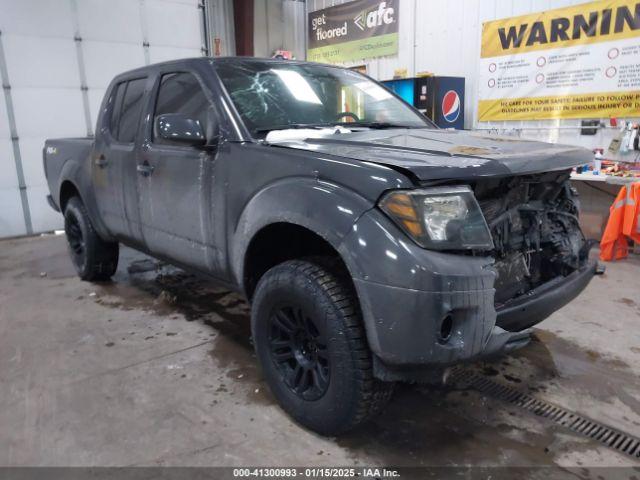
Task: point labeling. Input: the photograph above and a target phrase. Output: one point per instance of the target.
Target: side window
(130, 110)
(116, 107)
(181, 93)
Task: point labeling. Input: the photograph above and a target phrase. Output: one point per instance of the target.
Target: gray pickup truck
(373, 246)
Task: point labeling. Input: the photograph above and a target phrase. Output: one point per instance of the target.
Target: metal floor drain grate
(612, 438)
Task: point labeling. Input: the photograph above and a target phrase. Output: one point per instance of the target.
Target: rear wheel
(312, 347)
(93, 258)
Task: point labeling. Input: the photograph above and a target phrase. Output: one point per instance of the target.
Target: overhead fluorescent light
(373, 90)
(298, 86)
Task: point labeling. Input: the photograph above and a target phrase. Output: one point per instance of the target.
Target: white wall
(43, 70)
(443, 37)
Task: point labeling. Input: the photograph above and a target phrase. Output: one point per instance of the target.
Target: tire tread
(372, 394)
(103, 256)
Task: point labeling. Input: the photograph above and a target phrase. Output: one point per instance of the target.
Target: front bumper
(527, 310)
(407, 325)
(407, 294)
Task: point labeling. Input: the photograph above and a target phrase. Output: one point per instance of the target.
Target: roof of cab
(211, 61)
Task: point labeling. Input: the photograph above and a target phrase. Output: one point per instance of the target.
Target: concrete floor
(156, 368)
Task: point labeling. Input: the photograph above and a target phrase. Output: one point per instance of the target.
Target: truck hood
(431, 154)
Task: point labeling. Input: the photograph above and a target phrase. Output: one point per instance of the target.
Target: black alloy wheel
(76, 240)
(93, 258)
(311, 344)
(299, 350)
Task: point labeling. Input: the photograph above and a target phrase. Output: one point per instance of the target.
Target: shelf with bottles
(605, 169)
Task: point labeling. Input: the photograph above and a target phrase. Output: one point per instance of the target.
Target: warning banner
(576, 62)
(566, 106)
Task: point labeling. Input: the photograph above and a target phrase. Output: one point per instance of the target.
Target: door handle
(145, 169)
(102, 161)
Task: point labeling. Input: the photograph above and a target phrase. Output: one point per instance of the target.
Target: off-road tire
(93, 258)
(326, 297)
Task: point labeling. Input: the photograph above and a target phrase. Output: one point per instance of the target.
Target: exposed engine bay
(533, 220)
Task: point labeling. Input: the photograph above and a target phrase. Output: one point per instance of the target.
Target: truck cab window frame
(130, 112)
(185, 95)
(115, 108)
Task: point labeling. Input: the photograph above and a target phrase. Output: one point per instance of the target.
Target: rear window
(126, 110)
(116, 108)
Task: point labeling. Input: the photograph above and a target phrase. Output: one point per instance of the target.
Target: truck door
(174, 178)
(113, 169)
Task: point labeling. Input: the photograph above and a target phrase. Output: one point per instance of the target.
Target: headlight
(440, 218)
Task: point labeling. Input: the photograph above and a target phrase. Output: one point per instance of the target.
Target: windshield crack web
(259, 89)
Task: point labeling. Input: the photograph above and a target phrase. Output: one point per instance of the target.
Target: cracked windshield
(272, 96)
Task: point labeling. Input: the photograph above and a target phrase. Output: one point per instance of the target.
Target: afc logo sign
(383, 15)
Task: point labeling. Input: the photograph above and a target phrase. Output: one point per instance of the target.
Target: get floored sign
(353, 31)
(576, 62)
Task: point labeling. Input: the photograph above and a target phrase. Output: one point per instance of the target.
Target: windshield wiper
(292, 126)
(376, 125)
(379, 125)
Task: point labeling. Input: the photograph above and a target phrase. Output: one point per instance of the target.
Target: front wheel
(93, 258)
(312, 347)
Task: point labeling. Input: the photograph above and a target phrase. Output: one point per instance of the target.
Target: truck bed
(58, 153)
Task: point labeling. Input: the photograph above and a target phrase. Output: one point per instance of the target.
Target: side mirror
(179, 128)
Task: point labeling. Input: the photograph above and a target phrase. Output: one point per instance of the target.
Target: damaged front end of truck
(461, 304)
(512, 255)
(485, 244)
(538, 243)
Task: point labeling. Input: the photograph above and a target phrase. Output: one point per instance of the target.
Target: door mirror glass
(179, 128)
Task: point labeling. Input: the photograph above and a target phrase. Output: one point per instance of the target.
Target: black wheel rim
(75, 238)
(298, 348)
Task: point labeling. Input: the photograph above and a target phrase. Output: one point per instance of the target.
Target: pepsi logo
(451, 106)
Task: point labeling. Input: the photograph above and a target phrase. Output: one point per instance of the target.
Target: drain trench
(611, 437)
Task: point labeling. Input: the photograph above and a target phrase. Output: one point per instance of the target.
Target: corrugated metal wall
(279, 25)
(221, 31)
(59, 57)
(443, 37)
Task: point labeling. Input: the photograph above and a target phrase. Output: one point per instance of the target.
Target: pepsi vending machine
(439, 98)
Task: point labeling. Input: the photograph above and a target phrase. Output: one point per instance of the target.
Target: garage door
(56, 60)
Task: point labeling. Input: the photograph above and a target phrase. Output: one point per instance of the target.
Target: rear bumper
(52, 204)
